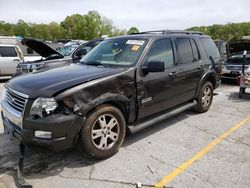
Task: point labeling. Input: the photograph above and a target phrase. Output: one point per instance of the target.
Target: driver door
(156, 90)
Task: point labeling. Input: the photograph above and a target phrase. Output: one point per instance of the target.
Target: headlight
(43, 106)
(36, 66)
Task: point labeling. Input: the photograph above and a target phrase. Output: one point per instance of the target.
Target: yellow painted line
(198, 155)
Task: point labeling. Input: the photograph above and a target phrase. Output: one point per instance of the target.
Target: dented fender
(118, 90)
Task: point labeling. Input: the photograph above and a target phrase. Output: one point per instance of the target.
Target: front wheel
(205, 98)
(103, 132)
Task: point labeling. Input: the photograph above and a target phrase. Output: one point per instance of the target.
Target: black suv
(124, 84)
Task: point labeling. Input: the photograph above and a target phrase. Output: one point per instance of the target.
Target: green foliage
(76, 26)
(133, 30)
(227, 32)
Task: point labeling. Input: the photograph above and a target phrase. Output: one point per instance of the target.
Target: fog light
(43, 134)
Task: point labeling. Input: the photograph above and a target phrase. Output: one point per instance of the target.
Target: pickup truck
(124, 84)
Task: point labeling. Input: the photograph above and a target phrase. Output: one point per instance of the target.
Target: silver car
(10, 57)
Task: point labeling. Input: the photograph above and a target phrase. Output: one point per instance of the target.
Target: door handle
(16, 60)
(172, 74)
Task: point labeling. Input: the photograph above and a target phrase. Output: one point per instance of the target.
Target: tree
(73, 26)
(133, 30)
(227, 32)
(21, 28)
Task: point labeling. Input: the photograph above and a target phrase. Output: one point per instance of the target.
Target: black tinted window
(30, 51)
(161, 50)
(6, 51)
(184, 50)
(210, 48)
(195, 50)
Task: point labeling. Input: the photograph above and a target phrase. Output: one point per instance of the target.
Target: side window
(86, 49)
(30, 51)
(184, 50)
(6, 51)
(210, 48)
(196, 55)
(161, 50)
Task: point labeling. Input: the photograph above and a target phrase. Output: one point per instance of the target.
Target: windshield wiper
(95, 63)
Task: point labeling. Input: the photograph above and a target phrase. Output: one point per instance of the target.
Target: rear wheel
(103, 132)
(205, 98)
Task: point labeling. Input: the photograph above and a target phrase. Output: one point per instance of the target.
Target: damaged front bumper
(63, 130)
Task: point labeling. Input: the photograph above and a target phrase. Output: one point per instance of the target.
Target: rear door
(9, 59)
(189, 68)
(213, 58)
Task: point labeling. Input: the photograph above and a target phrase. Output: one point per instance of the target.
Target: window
(117, 52)
(30, 51)
(6, 51)
(210, 48)
(184, 50)
(195, 50)
(161, 50)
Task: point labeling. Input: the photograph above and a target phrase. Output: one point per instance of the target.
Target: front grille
(16, 100)
(24, 68)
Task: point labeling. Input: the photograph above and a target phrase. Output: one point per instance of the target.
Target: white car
(10, 57)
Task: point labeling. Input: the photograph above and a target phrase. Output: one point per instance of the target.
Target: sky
(144, 14)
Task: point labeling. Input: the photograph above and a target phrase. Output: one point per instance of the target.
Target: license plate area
(235, 72)
(9, 130)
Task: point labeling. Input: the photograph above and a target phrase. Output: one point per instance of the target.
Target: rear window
(210, 48)
(6, 51)
(184, 50)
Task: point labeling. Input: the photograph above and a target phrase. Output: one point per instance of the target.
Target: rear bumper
(64, 130)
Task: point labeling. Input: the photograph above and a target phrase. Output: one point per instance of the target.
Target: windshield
(68, 49)
(116, 52)
(237, 59)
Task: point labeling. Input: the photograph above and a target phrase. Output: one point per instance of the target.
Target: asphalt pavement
(189, 150)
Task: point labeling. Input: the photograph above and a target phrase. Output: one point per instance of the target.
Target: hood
(49, 82)
(41, 48)
(237, 47)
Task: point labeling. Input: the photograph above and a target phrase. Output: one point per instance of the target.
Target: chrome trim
(18, 93)
(13, 115)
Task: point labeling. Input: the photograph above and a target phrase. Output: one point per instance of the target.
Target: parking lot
(188, 150)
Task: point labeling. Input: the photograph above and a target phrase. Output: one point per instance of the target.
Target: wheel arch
(211, 77)
(121, 105)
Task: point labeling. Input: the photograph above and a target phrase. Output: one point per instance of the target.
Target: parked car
(72, 52)
(221, 45)
(10, 56)
(232, 68)
(126, 83)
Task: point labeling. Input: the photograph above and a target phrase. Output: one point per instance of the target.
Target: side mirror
(154, 66)
(81, 52)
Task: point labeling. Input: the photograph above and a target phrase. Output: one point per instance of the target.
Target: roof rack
(169, 32)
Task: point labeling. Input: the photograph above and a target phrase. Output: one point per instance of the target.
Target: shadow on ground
(40, 162)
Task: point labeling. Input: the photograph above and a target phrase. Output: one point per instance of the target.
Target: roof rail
(169, 32)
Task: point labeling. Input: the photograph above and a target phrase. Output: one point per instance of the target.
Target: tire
(241, 92)
(204, 98)
(103, 132)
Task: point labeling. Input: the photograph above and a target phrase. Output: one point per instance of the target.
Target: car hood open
(237, 47)
(41, 48)
(47, 83)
